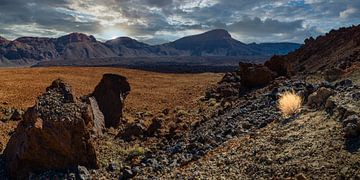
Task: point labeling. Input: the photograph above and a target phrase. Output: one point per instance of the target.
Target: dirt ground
(150, 92)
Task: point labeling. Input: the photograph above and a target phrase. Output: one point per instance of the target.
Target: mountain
(336, 49)
(78, 46)
(213, 43)
(125, 46)
(274, 48)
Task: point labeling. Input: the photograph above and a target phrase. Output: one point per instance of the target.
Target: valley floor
(249, 141)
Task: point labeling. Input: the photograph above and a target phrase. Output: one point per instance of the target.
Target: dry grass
(289, 103)
(150, 91)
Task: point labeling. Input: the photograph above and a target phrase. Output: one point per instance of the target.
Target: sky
(159, 21)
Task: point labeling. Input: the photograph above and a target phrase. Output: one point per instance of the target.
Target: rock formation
(110, 94)
(53, 135)
(253, 75)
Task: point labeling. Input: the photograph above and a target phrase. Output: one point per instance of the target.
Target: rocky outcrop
(338, 48)
(253, 75)
(234, 84)
(279, 66)
(53, 135)
(110, 95)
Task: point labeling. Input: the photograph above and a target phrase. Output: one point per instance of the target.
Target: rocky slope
(337, 49)
(78, 47)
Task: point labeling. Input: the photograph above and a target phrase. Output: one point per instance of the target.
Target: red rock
(54, 134)
(253, 75)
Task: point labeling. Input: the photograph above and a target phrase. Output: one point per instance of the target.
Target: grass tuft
(289, 103)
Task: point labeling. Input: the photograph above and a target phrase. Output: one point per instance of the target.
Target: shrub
(289, 103)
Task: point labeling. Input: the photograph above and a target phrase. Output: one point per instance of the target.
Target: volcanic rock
(280, 66)
(53, 135)
(333, 74)
(253, 75)
(132, 131)
(351, 126)
(155, 127)
(110, 95)
(318, 98)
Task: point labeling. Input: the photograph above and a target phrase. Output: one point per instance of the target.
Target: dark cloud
(165, 20)
(256, 26)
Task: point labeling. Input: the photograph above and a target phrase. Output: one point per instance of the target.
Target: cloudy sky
(157, 21)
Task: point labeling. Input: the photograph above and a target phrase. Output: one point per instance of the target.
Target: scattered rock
(132, 131)
(351, 126)
(318, 98)
(344, 83)
(300, 177)
(333, 74)
(154, 127)
(127, 173)
(83, 173)
(17, 115)
(110, 95)
(53, 135)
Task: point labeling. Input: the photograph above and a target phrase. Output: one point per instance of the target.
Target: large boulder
(279, 65)
(254, 75)
(54, 134)
(110, 94)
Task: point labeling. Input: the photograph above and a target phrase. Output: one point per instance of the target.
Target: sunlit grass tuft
(289, 103)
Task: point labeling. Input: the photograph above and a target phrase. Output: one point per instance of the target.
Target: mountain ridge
(79, 46)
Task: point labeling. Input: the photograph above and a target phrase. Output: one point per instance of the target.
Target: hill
(337, 49)
(79, 47)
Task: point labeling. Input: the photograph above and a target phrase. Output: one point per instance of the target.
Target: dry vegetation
(151, 92)
(289, 103)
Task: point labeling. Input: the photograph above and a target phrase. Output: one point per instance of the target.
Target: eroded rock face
(253, 75)
(279, 65)
(54, 134)
(110, 94)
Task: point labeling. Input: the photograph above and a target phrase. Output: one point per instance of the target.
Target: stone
(318, 98)
(126, 173)
(154, 127)
(16, 115)
(83, 173)
(344, 83)
(279, 65)
(253, 75)
(110, 95)
(132, 132)
(333, 74)
(53, 135)
(351, 126)
(300, 177)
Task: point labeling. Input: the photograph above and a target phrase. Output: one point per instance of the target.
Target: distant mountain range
(78, 46)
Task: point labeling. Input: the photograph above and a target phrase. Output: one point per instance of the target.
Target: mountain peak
(3, 40)
(218, 33)
(77, 37)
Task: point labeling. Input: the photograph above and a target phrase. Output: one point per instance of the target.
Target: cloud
(348, 12)
(166, 20)
(256, 26)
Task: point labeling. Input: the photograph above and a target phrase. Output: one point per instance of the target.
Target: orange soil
(150, 91)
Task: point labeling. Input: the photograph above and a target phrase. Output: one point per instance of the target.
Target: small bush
(289, 103)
